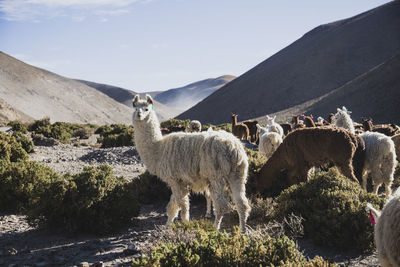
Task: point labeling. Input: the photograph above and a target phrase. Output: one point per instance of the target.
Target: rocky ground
(20, 245)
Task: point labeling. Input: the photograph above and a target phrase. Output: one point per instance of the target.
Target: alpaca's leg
(364, 181)
(238, 190)
(220, 203)
(376, 187)
(183, 202)
(208, 199)
(172, 209)
(388, 190)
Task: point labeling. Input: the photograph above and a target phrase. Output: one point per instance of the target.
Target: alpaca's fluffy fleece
(380, 160)
(312, 147)
(272, 126)
(387, 231)
(194, 126)
(269, 141)
(342, 119)
(192, 161)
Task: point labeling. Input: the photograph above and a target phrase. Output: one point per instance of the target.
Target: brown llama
(239, 130)
(253, 131)
(386, 129)
(296, 122)
(309, 122)
(287, 128)
(310, 147)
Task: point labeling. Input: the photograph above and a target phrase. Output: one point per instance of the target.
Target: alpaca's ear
(258, 126)
(338, 109)
(135, 100)
(149, 99)
(344, 108)
(273, 118)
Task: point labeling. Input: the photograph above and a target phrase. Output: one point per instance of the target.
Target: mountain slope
(8, 113)
(322, 60)
(40, 93)
(189, 95)
(125, 96)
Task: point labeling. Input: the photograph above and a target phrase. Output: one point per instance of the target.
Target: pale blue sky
(149, 45)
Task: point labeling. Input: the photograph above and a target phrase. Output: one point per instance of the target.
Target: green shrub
(41, 126)
(333, 208)
(26, 143)
(225, 126)
(210, 247)
(174, 123)
(150, 189)
(22, 183)
(255, 164)
(17, 126)
(92, 201)
(62, 131)
(116, 135)
(11, 149)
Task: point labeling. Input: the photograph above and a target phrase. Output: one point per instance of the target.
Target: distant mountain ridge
(39, 93)
(189, 95)
(324, 59)
(125, 97)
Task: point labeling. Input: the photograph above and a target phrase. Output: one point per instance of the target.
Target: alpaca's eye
(146, 109)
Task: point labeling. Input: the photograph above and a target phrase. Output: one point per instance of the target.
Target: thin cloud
(33, 10)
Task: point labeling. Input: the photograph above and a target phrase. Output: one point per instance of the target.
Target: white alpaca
(387, 231)
(269, 141)
(380, 160)
(272, 126)
(320, 120)
(198, 161)
(194, 126)
(342, 119)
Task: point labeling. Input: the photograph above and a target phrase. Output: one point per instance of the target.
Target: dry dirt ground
(21, 245)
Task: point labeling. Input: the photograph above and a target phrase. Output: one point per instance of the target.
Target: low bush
(225, 127)
(116, 135)
(333, 208)
(93, 201)
(150, 189)
(18, 126)
(209, 247)
(255, 164)
(23, 183)
(174, 123)
(26, 142)
(11, 149)
(62, 131)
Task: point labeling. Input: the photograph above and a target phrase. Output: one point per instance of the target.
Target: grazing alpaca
(199, 162)
(239, 130)
(194, 126)
(387, 230)
(380, 160)
(308, 121)
(342, 119)
(269, 141)
(272, 126)
(313, 147)
(252, 125)
(396, 141)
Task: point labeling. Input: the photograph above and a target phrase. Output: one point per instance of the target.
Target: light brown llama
(253, 131)
(309, 122)
(311, 147)
(297, 123)
(239, 130)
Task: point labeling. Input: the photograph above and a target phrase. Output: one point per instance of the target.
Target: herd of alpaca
(215, 162)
